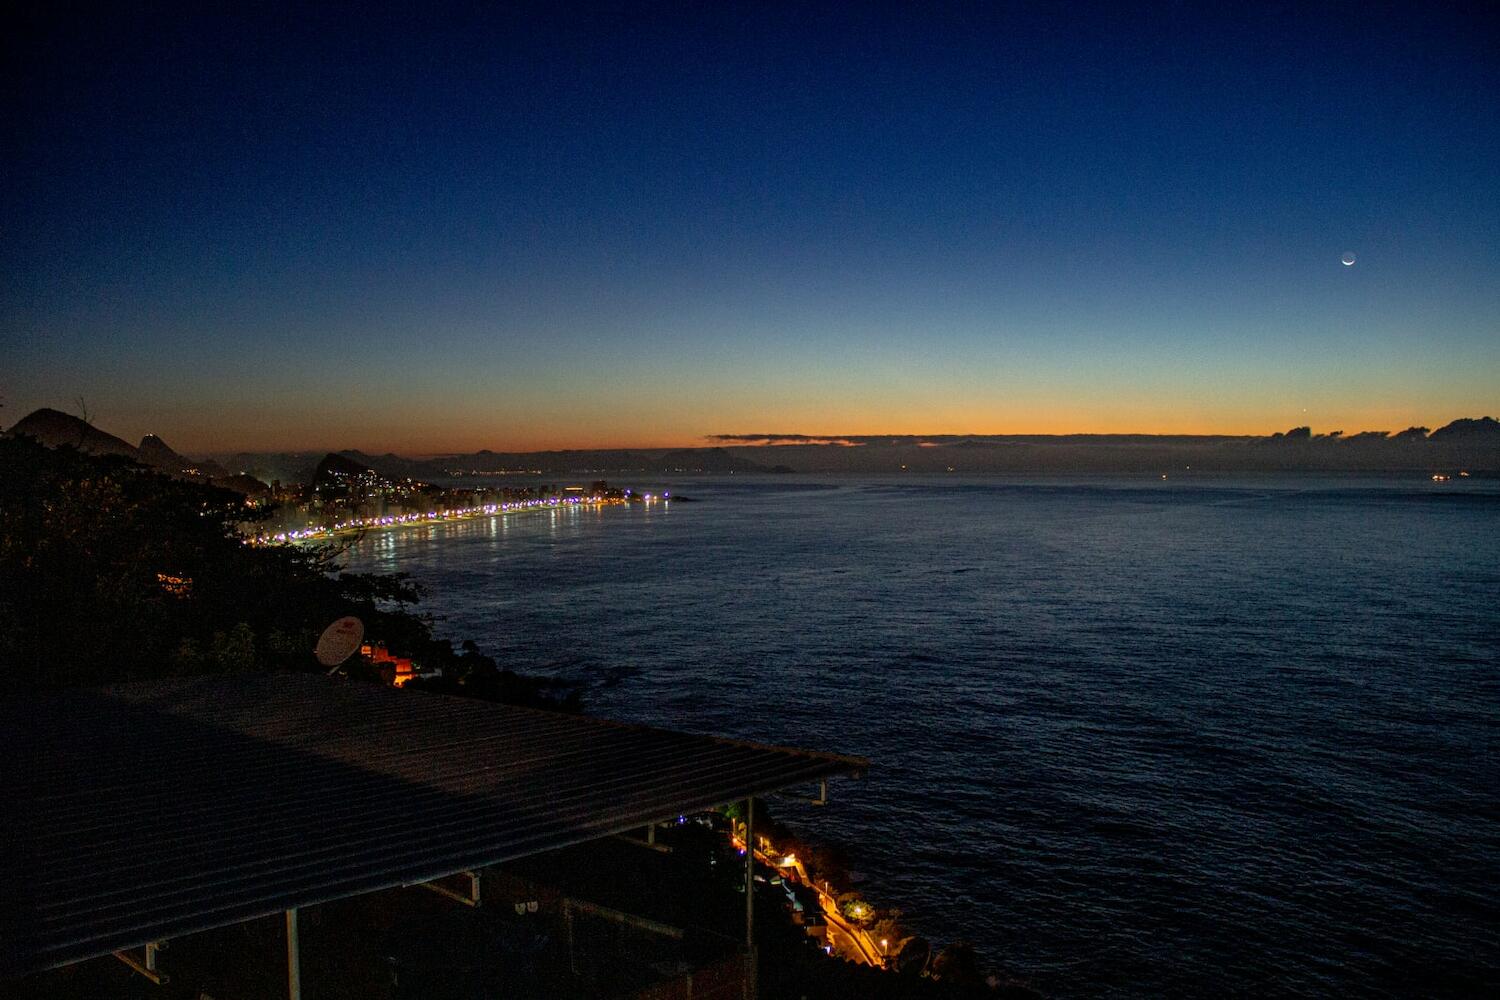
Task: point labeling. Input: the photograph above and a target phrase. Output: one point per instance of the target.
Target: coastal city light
(314, 533)
(603, 437)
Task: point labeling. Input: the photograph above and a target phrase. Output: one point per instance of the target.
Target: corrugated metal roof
(147, 811)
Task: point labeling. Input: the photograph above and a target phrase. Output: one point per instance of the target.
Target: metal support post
(572, 906)
(471, 899)
(293, 958)
(649, 843)
(750, 968)
(572, 959)
(146, 966)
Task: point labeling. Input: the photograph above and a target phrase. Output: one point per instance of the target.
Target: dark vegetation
(110, 571)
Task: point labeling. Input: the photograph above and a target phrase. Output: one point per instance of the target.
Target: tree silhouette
(110, 571)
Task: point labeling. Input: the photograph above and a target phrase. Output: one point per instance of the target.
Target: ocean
(1208, 736)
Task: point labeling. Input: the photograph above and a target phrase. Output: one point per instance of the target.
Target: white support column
(146, 966)
(293, 958)
(750, 968)
(469, 899)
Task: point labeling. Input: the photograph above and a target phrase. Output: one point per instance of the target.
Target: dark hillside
(112, 572)
(56, 429)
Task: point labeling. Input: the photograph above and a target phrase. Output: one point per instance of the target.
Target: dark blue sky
(419, 230)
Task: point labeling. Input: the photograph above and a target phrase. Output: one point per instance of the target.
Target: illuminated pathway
(848, 940)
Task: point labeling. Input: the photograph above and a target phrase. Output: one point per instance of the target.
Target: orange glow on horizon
(465, 441)
(471, 426)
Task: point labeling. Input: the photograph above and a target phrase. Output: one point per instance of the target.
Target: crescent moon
(1348, 260)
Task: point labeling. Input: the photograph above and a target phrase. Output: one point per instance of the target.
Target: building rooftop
(148, 811)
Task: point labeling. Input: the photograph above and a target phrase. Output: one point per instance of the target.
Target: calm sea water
(1130, 737)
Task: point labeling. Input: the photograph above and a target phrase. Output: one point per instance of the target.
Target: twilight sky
(644, 224)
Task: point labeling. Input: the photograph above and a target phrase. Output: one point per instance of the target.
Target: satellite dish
(1348, 259)
(339, 641)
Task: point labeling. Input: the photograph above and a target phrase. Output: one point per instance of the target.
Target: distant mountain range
(54, 429)
(1468, 443)
(302, 467)
(583, 462)
(1465, 444)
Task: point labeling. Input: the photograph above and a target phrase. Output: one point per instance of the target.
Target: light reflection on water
(1147, 738)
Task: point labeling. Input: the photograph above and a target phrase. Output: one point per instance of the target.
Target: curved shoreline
(396, 522)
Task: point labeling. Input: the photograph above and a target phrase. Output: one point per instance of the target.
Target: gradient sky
(429, 231)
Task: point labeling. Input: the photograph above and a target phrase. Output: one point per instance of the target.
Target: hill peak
(56, 429)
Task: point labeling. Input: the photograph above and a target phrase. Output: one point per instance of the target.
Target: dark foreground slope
(110, 571)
